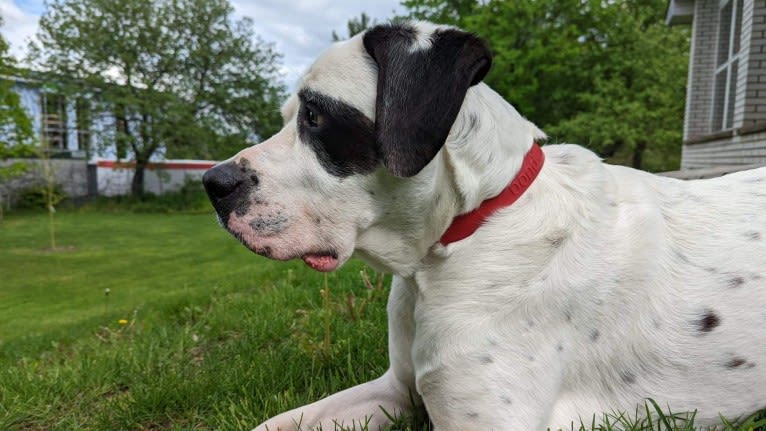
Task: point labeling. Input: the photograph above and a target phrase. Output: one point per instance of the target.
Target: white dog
(580, 289)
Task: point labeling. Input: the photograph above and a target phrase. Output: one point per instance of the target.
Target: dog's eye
(312, 118)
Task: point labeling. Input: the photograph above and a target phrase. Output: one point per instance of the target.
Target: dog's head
(354, 162)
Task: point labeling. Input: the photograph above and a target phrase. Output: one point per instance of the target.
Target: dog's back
(686, 305)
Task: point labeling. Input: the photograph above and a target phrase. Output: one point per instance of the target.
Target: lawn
(196, 333)
(216, 337)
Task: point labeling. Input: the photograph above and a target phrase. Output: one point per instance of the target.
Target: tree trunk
(137, 185)
(638, 155)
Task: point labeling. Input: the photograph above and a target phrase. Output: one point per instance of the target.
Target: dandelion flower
(122, 321)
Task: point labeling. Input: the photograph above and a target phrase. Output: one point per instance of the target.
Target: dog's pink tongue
(321, 262)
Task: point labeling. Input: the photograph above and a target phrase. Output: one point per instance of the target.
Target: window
(54, 121)
(727, 64)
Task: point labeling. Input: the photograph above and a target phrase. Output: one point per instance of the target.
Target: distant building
(67, 125)
(86, 157)
(725, 119)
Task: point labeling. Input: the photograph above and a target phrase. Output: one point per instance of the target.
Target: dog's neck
(464, 225)
(499, 139)
(483, 153)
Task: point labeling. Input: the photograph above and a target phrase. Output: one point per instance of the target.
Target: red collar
(466, 224)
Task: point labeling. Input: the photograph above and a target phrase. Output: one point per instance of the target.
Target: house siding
(699, 98)
(754, 87)
(747, 149)
(739, 146)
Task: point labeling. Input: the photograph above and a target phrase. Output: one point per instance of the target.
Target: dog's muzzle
(228, 186)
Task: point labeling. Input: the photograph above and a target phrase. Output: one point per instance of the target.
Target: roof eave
(679, 12)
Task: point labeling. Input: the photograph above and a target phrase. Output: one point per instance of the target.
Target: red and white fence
(114, 177)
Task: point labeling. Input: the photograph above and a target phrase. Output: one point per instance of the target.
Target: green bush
(36, 197)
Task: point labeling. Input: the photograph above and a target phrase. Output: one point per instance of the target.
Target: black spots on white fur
(738, 362)
(270, 224)
(594, 335)
(505, 399)
(473, 122)
(735, 282)
(598, 301)
(628, 377)
(697, 198)
(708, 321)
(559, 347)
(485, 359)
(472, 415)
(735, 363)
(568, 315)
(754, 236)
(556, 241)
(680, 256)
(564, 158)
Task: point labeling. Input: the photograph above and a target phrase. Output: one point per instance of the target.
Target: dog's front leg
(363, 406)
(351, 408)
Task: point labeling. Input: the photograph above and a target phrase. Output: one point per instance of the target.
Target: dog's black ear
(422, 81)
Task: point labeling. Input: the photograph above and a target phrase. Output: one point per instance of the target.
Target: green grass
(216, 338)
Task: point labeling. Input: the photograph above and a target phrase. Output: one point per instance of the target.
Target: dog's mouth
(322, 262)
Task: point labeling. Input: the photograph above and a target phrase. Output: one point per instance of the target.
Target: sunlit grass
(196, 332)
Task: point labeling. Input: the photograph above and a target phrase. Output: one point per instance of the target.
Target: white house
(86, 158)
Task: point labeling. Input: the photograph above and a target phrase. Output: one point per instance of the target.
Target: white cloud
(302, 30)
(19, 26)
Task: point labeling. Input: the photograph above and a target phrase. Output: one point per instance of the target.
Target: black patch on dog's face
(342, 136)
(420, 92)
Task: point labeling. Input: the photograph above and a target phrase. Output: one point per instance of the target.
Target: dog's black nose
(222, 180)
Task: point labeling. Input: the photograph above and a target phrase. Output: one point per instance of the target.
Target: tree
(15, 125)
(16, 133)
(176, 74)
(634, 112)
(442, 11)
(592, 72)
(355, 26)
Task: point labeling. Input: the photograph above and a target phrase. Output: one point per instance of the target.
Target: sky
(299, 32)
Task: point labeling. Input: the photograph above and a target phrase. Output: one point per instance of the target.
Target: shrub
(36, 197)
